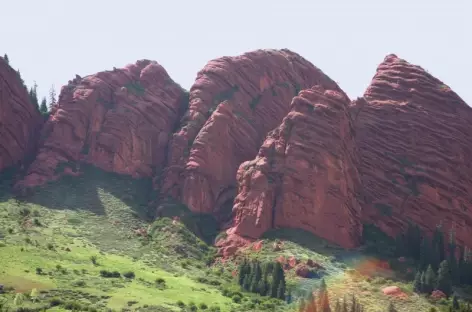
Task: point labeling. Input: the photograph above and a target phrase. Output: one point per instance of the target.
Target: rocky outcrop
(413, 133)
(118, 120)
(305, 174)
(234, 103)
(20, 119)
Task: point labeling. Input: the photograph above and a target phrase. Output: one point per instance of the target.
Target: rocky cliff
(234, 103)
(413, 133)
(308, 159)
(118, 120)
(20, 119)
(305, 174)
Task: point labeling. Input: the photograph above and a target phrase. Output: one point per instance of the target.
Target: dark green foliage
(391, 307)
(444, 280)
(417, 282)
(278, 277)
(43, 107)
(425, 254)
(455, 303)
(7, 60)
(136, 88)
(429, 280)
(256, 276)
(266, 279)
(33, 95)
(52, 97)
(129, 274)
(109, 274)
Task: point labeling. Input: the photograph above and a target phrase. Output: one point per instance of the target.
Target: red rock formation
(304, 175)
(413, 135)
(20, 119)
(117, 120)
(234, 103)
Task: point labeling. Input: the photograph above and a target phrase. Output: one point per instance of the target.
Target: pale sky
(52, 40)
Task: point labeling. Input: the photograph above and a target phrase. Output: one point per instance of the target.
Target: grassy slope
(96, 215)
(90, 216)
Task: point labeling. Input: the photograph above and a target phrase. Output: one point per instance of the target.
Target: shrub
(24, 212)
(214, 309)
(129, 274)
(10, 230)
(203, 306)
(79, 284)
(192, 307)
(39, 271)
(37, 222)
(109, 274)
(50, 246)
(180, 304)
(236, 299)
(54, 302)
(94, 260)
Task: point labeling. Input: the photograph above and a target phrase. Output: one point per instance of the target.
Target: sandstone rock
(304, 175)
(437, 294)
(394, 291)
(413, 135)
(20, 119)
(234, 103)
(117, 120)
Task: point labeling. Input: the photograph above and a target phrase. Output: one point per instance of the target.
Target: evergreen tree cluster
(440, 265)
(33, 94)
(266, 279)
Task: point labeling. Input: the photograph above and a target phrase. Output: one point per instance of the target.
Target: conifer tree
(425, 254)
(43, 108)
(337, 307)
(52, 97)
(460, 265)
(323, 300)
(417, 282)
(281, 291)
(423, 282)
(7, 60)
(256, 276)
(429, 280)
(242, 272)
(444, 280)
(33, 95)
(345, 304)
(391, 307)
(278, 277)
(455, 303)
(452, 256)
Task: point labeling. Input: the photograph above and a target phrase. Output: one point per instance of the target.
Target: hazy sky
(52, 40)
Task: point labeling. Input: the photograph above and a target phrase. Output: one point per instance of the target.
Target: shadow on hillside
(306, 240)
(83, 192)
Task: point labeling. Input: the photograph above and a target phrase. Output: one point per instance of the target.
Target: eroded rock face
(234, 103)
(20, 120)
(305, 174)
(413, 135)
(118, 120)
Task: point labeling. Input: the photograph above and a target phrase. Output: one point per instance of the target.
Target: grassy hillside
(89, 243)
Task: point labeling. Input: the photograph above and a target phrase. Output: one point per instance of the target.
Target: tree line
(46, 104)
(266, 279)
(440, 265)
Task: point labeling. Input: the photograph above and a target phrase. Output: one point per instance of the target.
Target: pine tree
(277, 278)
(52, 97)
(444, 281)
(425, 254)
(256, 276)
(247, 282)
(417, 282)
(429, 280)
(263, 286)
(423, 282)
(323, 300)
(344, 304)
(7, 60)
(33, 95)
(460, 265)
(43, 108)
(391, 307)
(452, 256)
(281, 291)
(455, 303)
(19, 77)
(242, 272)
(337, 307)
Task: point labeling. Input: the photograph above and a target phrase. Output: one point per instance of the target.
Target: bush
(37, 222)
(203, 306)
(50, 246)
(214, 309)
(39, 271)
(236, 299)
(192, 307)
(180, 304)
(54, 302)
(74, 306)
(129, 274)
(79, 284)
(108, 274)
(94, 260)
